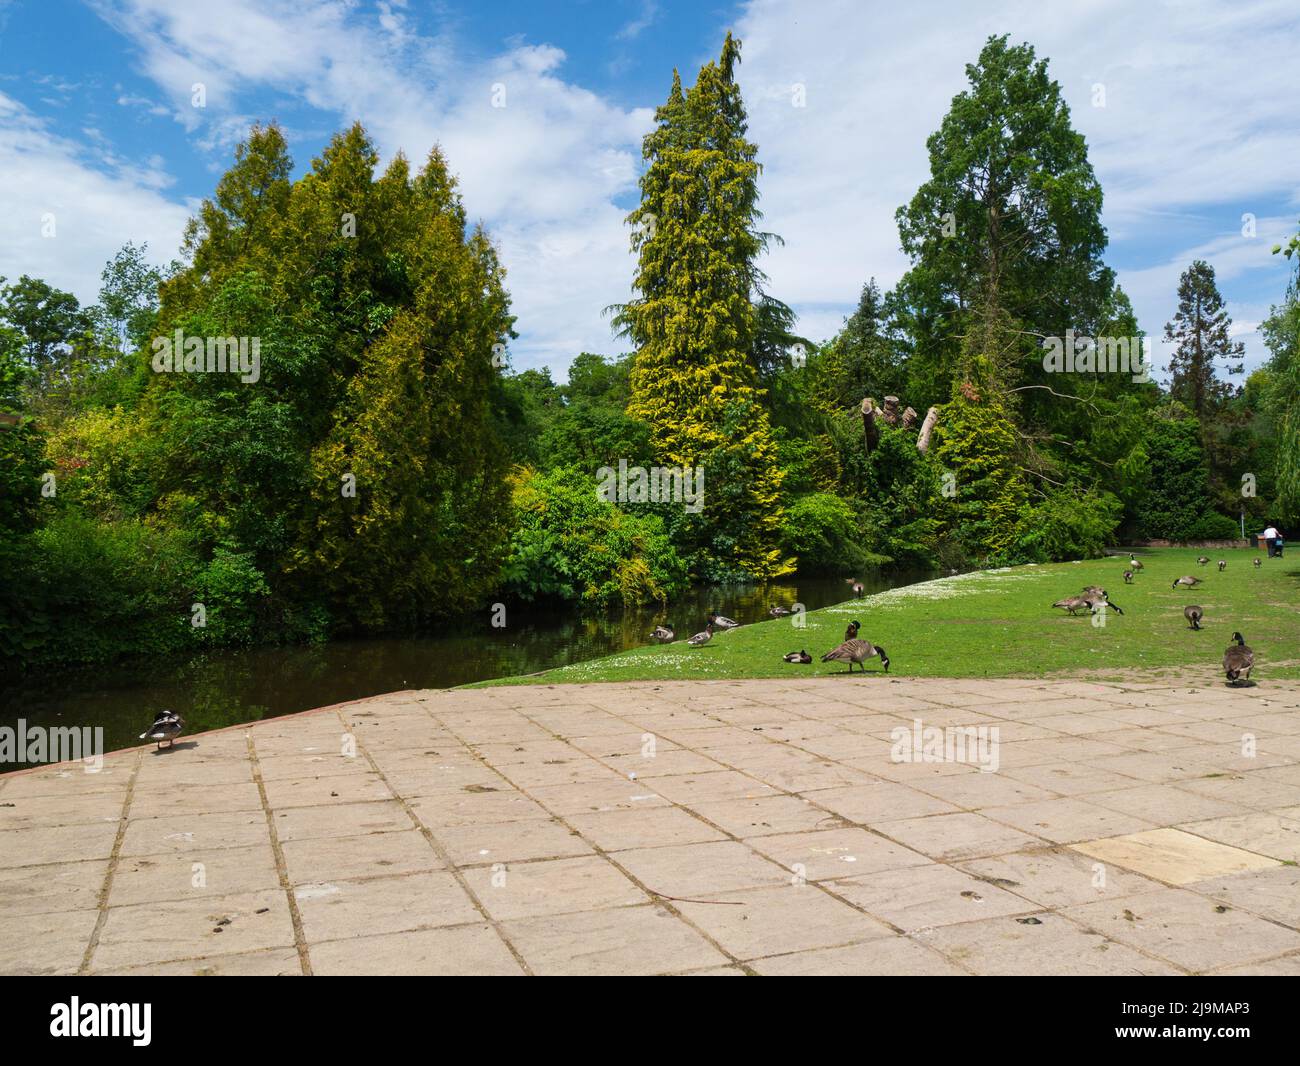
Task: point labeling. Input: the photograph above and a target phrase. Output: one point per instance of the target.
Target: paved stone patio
(738, 827)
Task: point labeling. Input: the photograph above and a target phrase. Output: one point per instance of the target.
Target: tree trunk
(923, 440)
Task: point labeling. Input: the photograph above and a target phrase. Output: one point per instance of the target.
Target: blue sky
(97, 128)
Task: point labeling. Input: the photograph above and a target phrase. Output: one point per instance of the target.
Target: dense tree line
(366, 460)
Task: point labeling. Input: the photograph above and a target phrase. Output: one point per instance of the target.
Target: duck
(778, 611)
(1186, 582)
(1133, 562)
(1223, 565)
(851, 630)
(167, 725)
(1258, 564)
(798, 657)
(857, 651)
(856, 585)
(701, 639)
(1204, 560)
(664, 633)
(722, 621)
(1128, 577)
(1238, 659)
(1194, 613)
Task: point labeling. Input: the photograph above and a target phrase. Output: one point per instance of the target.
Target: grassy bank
(1001, 623)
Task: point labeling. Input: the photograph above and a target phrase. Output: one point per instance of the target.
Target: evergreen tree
(694, 320)
(1005, 236)
(1200, 331)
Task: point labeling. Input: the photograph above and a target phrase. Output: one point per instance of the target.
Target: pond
(227, 687)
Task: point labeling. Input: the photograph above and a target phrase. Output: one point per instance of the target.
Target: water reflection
(227, 687)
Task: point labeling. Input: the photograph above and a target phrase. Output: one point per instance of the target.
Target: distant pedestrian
(1270, 540)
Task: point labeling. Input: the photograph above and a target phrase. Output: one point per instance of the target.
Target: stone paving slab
(732, 828)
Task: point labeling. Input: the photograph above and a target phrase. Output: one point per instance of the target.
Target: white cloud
(97, 205)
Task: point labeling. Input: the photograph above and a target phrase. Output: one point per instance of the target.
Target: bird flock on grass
(1238, 659)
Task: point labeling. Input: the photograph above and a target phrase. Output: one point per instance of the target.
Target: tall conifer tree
(694, 320)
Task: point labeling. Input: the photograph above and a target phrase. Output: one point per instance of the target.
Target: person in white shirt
(1270, 540)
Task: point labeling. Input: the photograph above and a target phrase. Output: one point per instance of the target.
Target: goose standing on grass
(1186, 581)
(1194, 614)
(722, 621)
(798, 657)
(1128, 577)
(779, 611)
(851, 630)
(701, 639)
(1238, 659)
(166, 726)
(1223, 565)
(664, 634)
(1258, 564)
(1133, 562)
(857, 651)
(1204, 560)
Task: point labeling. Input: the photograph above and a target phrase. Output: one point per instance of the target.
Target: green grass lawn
(1001, 623)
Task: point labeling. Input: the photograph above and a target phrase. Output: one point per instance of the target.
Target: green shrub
(1067, 525)
(1214, 526)
(826, 535)
(569, 544)
(231, 590)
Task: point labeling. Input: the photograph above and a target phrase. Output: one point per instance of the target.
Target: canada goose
(167, 725)
(1072, 604)
(1238, 659)
(1186, 582)
(1128, 577)
(1258, 564)
(779, 612)
(856, 585)
(722, 621)
(1133, 562)
(1204, 560)
(1194, 614)
(664, 634)
(856, 651)
(701, 639)
(851, 630)
(798, 657)
(1096, 597)
(1223, 563)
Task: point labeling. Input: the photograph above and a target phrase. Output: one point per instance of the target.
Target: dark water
(241, 685)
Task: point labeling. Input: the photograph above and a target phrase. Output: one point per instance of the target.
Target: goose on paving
(1238, 660)
(856, 651)
(167, 725)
